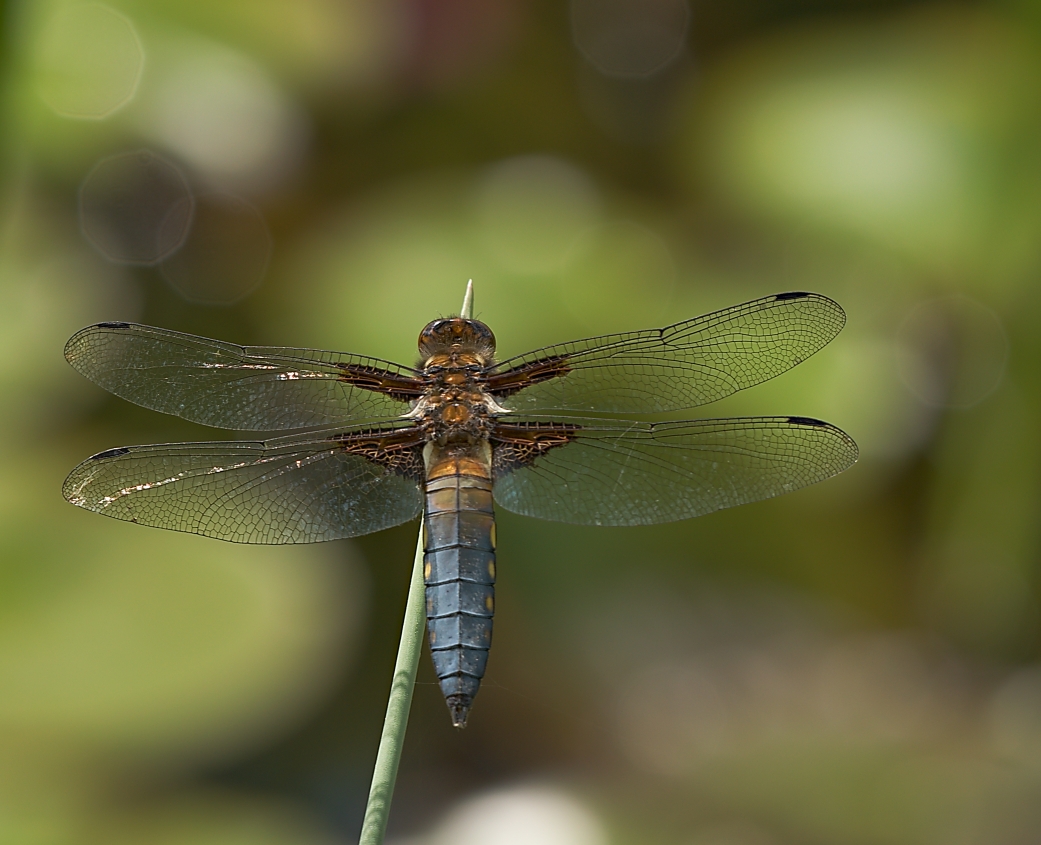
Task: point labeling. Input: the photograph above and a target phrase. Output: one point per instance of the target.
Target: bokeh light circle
(89, 61)
(226, 116)
(521, 815)
(226, 254)
(135, 207)
(630, 38)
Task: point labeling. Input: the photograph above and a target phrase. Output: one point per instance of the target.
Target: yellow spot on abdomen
(426, 570)
(489, 603)
(491, 569)
(492, 533)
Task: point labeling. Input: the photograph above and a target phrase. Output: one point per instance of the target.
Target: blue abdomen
(459, 571)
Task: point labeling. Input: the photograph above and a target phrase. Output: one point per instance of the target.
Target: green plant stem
(385, 772)
(388, 757)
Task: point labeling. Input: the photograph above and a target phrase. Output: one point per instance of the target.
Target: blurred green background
(854, 663)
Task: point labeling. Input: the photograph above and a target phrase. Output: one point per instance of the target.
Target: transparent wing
(255, 388)
(618, 473)
(681, 366)
(290, 490)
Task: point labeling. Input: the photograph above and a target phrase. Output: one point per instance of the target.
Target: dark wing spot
(400, 451)
(794, 294)
(113, 325)
(110, 453)
(516, 445)
(509, 382)
(809, 421)
(377, 380)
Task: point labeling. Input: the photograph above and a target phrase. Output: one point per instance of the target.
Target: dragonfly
(375, 444)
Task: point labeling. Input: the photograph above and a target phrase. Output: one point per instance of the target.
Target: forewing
(592, 472)
(681, 366)
(254, 388)
(290, 490)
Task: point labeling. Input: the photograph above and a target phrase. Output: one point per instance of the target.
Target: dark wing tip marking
(793, 295)
(812, 422)
(110, 453)
(72, 346)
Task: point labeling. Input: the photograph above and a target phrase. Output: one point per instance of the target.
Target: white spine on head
(467, 311)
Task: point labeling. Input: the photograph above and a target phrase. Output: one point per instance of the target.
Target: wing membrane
(596, 472)
(300, 489)
(255, 388)
(681, 366)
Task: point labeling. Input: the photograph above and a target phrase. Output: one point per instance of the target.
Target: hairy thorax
(456, 411)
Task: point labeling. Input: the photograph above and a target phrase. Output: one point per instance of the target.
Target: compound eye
(432, 333)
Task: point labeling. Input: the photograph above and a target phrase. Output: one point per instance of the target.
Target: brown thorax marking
(509, 382)
(400, 451)
(455, 408)
(517, 445)
(391, 384)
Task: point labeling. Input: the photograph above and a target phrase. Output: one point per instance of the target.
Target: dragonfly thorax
(454, 414)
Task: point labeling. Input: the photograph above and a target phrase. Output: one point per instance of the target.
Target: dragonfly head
(457, 335)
